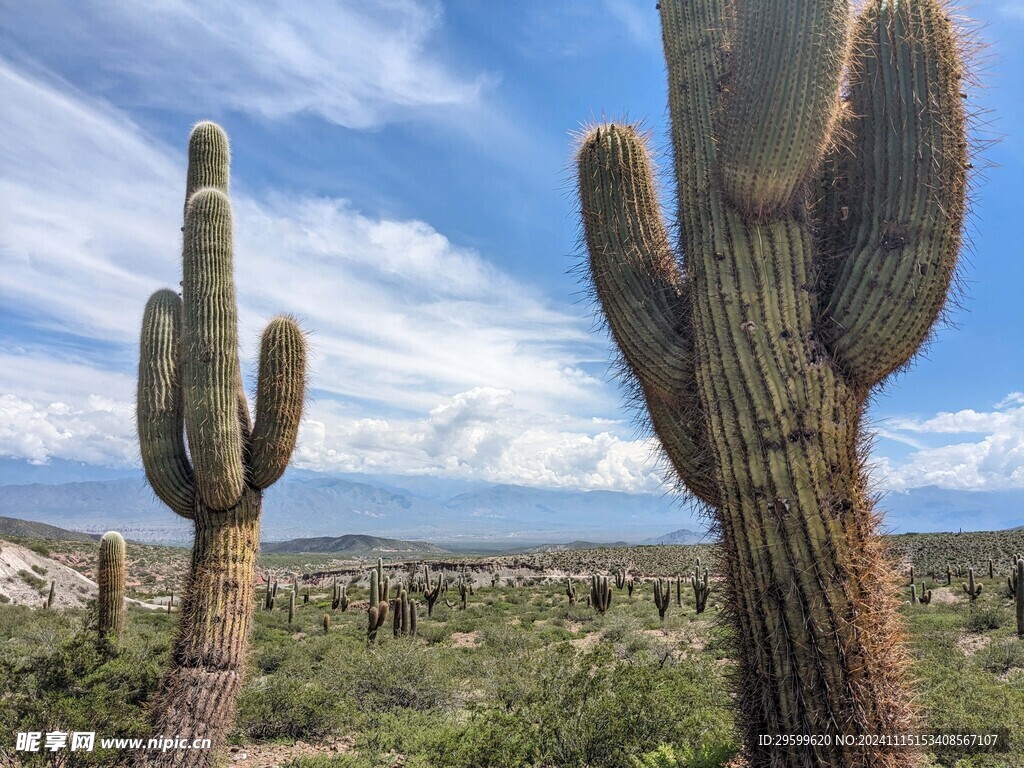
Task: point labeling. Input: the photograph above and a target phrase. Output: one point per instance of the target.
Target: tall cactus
(820, 224)
(662, 596)
(110, 577)
(1018, 596)
(970, 588)
(190, 388)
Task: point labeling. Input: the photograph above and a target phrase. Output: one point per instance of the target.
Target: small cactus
(570, 591)
(1018, 596)
(701, 588)
(911, 575)
(431, 592)
(291, 607)
(926, 597)
(52, 596)
(327, 623)
(377, 612)
(662, 596)
(630, 586)
(600, 593)
(110, 575)
(913, 594)
(972, 589)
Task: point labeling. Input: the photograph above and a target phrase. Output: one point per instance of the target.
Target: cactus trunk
(816, 260)
(199, 692)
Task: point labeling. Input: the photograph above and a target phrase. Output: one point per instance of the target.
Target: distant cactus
(464, 591)
(949, 575)
(432, 591)
(339, 596)
(291, 607)
(190, 386)
(679, 591)
(49, 603)
(701, 588)
(620, 579)
(926, 597)
(110, 577)
(327, 623)
(570, 591)
(377, 611)
(911, 575)
(662, 596)
(600, 593)
(991, 569)
(404, 615)
(630, 586)
(971, 589)
(1018, 596)
(913, 594)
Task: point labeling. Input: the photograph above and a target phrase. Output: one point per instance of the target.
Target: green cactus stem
(377, 610)
(49, 602)
(570, 591)
(970, 588)
(701, 589)
(913, 594)
(1018, 596)
(600, 593)
(991, 569)
(820, 173)
(662, 596)
(926, 597)
(949, 576)
(431, 592)
(464, 590)
(679, 591)
(190, 387)
(911, 575)
(620, 579)
(110, 578)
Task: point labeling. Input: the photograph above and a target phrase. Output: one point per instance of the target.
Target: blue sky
(401, 183)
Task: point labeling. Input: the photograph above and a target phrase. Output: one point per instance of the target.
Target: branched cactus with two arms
(820, 168)
(190, 389)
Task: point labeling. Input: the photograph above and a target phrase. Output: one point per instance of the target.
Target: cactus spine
(662, 596)
(971, 589)
(110, 577)
(821, 182)
(190, 386)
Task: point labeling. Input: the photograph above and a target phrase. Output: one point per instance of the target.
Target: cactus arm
(643, 297)
(281, 390)
(210, 342)
(906, 165)
(160, 414)
(780, 97)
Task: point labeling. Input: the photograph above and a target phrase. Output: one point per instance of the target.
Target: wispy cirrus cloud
(427, 357)
(358, 65)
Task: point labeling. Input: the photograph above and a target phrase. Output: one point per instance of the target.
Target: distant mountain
(682, 536)
(350, 544)
(454, 513)
(566, 547)
(324, 506)
(26, 529)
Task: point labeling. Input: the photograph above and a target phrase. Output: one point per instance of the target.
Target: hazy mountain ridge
(26, 529)
(449, 511)
(349, 544)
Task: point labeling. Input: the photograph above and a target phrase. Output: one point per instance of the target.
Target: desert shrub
(1001, 657)
(986, 619)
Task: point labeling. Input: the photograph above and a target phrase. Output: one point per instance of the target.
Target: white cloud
(359, 65)
(993, 460)
(401, 316)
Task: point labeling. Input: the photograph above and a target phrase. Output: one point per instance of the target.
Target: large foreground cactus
(190, 386)
(820, 222)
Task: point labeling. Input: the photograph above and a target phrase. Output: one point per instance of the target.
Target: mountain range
(307, 504)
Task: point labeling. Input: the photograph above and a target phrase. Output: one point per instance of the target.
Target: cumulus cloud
(358, 65)
(993, 459)
(481, 434)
